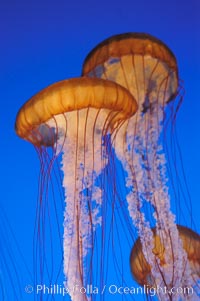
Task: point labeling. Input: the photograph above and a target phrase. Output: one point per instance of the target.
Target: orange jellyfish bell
(69, 96)
(141, 269)
(140, 62)
(73, 116)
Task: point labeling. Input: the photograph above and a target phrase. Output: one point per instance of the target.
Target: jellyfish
(141, 270)
(72, 118)
(148, 69)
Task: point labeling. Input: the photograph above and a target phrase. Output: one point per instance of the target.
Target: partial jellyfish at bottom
(72, 118)
(141, 269)
(148, 69)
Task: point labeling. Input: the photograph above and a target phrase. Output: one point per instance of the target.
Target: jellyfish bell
(139, 62)
(141, 269)
(73, 116)
(36, 129)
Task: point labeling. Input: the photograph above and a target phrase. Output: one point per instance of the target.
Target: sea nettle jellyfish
(148, 69)
(73, 117)
(141, 269)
